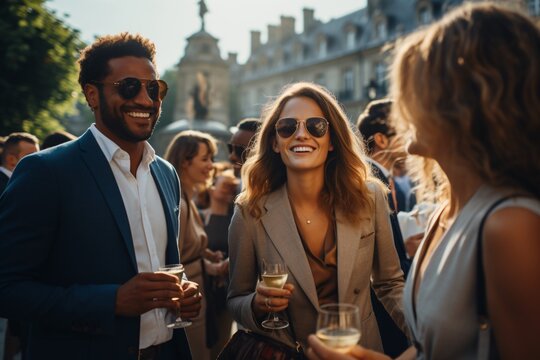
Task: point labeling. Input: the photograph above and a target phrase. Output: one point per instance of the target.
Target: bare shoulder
(512, 241)
(512, 226)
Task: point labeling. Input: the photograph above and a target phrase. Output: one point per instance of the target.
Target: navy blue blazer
(66, 247)
(3, 182)
(394, 340)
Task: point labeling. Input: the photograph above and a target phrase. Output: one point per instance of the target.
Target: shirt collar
(110, 148)
(6, 171)
(384, 170)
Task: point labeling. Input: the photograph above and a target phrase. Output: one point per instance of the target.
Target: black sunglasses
(238, 150)
(130, 87)
(316, 126)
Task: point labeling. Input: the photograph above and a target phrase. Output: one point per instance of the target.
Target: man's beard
(118, 126)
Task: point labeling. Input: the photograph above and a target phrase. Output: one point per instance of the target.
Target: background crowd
(425, 213)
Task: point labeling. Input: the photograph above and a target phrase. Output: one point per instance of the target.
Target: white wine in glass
(274, 275)
(338, 326)
(176, 322)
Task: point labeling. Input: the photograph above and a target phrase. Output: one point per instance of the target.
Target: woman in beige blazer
(309, 201)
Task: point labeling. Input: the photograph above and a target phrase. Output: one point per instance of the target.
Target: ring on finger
(267, 302)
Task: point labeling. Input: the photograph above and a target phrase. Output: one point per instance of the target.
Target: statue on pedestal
(203, 9)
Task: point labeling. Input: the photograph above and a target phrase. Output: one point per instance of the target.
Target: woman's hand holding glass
(319, 351)
(338, 326)
(273, 295)
(278, 299)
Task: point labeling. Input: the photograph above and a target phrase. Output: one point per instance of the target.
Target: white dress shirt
(146, 222)
(6, 171)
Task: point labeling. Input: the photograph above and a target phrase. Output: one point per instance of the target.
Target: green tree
(38, 71)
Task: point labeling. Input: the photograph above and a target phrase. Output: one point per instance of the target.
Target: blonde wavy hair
(346, 172)
(475, 76)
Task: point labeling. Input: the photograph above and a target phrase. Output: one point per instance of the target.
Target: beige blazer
(366, 257)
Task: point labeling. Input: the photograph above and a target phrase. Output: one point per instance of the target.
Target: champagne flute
(173, 320)
(338, 326)
(274, 275)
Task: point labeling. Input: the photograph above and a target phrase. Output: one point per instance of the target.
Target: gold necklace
(307, 220)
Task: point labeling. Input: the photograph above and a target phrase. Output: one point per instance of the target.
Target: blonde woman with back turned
(469, 89)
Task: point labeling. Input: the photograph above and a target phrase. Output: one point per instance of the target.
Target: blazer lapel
(348, 242)
(170, 209)
(281, 229)
(103, 175)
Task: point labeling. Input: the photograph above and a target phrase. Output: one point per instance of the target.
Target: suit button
(356, 291)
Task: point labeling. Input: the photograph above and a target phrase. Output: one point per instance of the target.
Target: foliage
(38, 73)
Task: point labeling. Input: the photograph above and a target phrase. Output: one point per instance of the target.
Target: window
(380, 77)
(534, 7)
(320, 79)
(298, 52)
(381, 30)
(351, 39)
(424, 15)
(299, 55)
(347, 85)
(286, 57)
(322, 48)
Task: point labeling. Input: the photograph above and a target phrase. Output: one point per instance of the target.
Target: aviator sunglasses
(130, 87)
(316, 126)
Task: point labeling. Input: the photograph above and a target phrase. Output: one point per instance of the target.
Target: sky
(169, 22)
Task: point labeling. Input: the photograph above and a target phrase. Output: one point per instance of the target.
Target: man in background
(384, 149)
(56, 138)
(240, 142)
(16, 146)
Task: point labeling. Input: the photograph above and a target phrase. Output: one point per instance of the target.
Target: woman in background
(468, 87)
(192, 153)
(217, 217)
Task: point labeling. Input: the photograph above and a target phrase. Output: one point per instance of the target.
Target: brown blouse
(324, 268)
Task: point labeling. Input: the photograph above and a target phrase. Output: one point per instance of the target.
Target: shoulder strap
(480, 282)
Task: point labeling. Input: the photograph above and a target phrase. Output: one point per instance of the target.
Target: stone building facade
(349, 55)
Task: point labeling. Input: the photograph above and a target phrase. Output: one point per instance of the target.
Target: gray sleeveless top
(443, 320)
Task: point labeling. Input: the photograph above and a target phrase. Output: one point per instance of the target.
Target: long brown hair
(475, 76)
(185, 146)
(345, 171)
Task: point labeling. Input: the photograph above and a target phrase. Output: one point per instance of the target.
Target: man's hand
(147, 291)
(190, 304)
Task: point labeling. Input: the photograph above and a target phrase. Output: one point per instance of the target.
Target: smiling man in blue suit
(84, 226)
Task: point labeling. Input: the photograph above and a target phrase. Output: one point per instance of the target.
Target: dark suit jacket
(398, 238)
(3, 182)
(393, 339)
(66, 247)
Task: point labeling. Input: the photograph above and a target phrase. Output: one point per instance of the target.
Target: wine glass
(172, 319)
(338, 326)
(274, 275)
